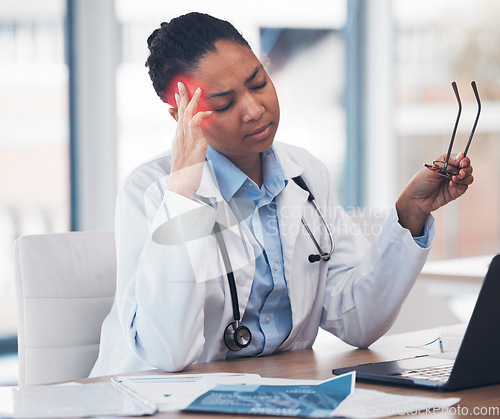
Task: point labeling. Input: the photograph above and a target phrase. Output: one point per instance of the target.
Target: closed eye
(261, 86)
(225, 108)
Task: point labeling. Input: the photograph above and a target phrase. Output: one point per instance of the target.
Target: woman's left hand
(428, 191)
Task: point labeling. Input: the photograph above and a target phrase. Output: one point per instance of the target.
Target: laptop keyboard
(438, 374)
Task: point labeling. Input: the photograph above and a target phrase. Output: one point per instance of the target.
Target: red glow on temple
(191, 85)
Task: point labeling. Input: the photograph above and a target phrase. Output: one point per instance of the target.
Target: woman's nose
(253, 108)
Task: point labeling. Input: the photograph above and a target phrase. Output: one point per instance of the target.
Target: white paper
(86, 400)
(451, 337)
(176, 391)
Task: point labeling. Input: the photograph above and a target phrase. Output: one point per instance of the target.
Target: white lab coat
(173, 303)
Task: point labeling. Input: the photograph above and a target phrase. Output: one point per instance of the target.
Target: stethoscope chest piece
(237, 336)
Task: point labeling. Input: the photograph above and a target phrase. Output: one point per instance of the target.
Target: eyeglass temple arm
(455, 89)
(473, 84)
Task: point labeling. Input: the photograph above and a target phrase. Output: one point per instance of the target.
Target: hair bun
(152, 37)
(155, 33)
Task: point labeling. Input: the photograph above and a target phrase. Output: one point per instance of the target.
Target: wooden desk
(318, 363)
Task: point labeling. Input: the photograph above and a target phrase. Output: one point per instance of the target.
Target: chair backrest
(65, 285)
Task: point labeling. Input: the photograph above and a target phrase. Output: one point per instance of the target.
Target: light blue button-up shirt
(268, 314)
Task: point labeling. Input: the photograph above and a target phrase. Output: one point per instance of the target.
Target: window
(437, 43)
(34, 186)
(307, 68)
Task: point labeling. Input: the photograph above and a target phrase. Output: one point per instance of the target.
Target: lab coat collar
(290, 167)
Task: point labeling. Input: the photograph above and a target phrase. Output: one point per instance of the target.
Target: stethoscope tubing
(229, 272)
(233, 342)
(322, 255)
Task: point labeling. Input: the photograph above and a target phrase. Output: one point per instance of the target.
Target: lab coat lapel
(291, 204)
(238, 246)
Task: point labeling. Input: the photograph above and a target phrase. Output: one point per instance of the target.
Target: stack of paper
(73, 400)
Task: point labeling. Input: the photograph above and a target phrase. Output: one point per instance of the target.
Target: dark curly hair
(176, 47)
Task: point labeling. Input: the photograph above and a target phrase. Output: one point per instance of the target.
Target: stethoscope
(322, 255)
(236, 335)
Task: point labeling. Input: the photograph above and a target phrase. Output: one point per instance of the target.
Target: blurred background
(365, 86)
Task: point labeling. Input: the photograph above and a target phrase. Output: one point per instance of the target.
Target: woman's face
(242, 97)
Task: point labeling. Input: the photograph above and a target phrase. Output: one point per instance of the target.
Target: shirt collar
(230, 179)
(275, 179)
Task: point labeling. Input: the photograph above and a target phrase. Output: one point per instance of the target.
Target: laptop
(477, 362)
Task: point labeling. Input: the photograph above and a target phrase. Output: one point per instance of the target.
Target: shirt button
(268, 319)
(241, 280)
(276, 266)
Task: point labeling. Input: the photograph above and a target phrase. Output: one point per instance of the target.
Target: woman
(222, 204)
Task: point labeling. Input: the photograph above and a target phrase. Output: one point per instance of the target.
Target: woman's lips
(260, 133)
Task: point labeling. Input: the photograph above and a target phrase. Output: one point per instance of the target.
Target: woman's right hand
(189, 147)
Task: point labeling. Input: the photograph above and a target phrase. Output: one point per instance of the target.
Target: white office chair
(65, 284)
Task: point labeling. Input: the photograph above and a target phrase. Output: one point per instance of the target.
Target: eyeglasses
(445, 168)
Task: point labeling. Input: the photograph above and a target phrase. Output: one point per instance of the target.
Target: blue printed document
(304, 400)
